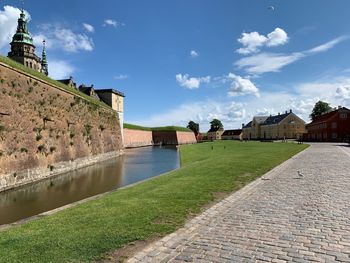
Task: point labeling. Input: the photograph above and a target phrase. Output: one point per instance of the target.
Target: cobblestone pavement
(283, 218)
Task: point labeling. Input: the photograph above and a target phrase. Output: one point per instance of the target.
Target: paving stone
(282, 219)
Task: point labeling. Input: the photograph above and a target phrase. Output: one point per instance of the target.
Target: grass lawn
(151, 209)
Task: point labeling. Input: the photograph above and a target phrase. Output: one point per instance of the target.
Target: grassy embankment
(43, 77)
(165, 128)
(153, 208)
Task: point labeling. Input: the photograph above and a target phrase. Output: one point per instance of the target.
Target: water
(135, 165)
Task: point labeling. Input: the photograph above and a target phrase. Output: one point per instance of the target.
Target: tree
(215, 123)
(194, 127)
(320, 108)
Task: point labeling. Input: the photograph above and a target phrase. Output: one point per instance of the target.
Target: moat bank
(46, 127)
(135, 165)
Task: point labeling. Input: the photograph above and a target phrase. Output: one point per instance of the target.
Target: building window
(334, 135)
(343, 115)
(334, 125)
(31, 65)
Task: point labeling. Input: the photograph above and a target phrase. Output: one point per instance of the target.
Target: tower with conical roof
(44, 64)
(22, 47)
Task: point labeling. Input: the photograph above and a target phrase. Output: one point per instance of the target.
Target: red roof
(324, 117)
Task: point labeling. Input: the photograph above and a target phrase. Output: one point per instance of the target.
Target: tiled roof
(326, 116)
(275, 119)
(111, 91)
(215, 129)
(232, 132)
(260, 119)
(248, 125)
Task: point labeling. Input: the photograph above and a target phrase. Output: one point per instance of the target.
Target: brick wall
(137, 138)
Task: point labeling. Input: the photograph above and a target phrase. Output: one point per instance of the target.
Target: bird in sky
(272, 8)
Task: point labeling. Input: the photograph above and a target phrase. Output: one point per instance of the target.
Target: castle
(23, 49)
(23, 52)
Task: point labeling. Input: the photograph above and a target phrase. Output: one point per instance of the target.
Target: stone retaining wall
(28, 176)
(43, 126)
(137, 138)
(173, 137)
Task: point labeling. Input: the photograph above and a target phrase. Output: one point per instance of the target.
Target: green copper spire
(22, 34)
(44, 64)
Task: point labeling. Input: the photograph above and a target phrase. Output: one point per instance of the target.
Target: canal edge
(65, 207)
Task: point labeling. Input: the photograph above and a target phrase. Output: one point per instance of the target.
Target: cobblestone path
(281, 219)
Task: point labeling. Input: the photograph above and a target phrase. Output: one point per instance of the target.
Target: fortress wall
(137, 138)
(44, 129)
(173, 137)
(165, 137)
(185, 137)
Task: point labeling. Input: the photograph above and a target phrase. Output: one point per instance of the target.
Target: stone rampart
(137, 138)
(185, 137)
(45, 130)
(173, 137)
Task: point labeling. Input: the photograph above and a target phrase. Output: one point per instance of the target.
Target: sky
(197, 60)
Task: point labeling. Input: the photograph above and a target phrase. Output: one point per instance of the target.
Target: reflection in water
(135, 165)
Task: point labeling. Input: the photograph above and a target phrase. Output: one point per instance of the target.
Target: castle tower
(22, 47)
(44, 64)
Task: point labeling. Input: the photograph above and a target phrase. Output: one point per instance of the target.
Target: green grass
(136, 127)
(171, 128)
(150, 209)
(165, 128)
(43, 77)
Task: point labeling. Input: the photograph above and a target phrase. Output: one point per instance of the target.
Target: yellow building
(215, 133)
(281, 126)
(115, 99)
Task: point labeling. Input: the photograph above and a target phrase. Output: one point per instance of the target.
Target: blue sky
(197, 59)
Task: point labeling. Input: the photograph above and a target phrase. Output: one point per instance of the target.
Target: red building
(330, 127)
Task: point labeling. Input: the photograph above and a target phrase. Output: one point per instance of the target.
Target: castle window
(343, 115)
(31, 65)
(27, 64)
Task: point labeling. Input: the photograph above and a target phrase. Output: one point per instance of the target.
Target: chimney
(286, 112)
(339, 107)
(290, 111)
(279, 114)
(242, 125)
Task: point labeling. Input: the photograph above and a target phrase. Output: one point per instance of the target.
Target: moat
(134, 166)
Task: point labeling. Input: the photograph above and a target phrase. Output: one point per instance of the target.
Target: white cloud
(38, 41)
(202, 112)
(301, 98)
(121, 77)
(241, 86)
(327, 46)
(253, 41)
(191, 82)
(267, 62)
(274, 62)
(277, 37)
(194, 54)
(59, 69)
(343, 92)
(89, 27)
(112, 22)
(57, 36)
(8, 24)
